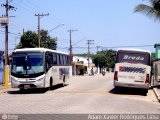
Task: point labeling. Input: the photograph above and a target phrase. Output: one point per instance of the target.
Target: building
(157, 47)
(156, 67)
(81, 63)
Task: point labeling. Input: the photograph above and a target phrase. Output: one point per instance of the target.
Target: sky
(111, 24)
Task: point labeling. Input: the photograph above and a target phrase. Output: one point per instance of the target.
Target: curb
(157, 93)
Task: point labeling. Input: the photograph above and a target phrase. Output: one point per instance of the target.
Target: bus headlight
(13, 80)
(41, 79)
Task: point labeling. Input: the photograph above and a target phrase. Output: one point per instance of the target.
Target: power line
(30, 4)
(32, 7)
(79, 47)
(28, 8)
(10, 33)
(79, 41)
(49, 18)
(128, 46)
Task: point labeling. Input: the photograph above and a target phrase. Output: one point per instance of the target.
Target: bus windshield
(27, 64)
(133, 57)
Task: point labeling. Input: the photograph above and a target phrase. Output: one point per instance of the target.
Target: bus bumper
(131, 85)
(27, 84)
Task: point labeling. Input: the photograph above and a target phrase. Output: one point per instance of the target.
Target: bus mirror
(28, 67)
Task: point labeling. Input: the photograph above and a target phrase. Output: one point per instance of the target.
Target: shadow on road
(35, 90)
(57, 87)
(127, 91)
(28, 91)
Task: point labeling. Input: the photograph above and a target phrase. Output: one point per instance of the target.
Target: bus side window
(64, 59)
(67, 60)
(61, 59)
(58, 61)
(49, 61)
(54, 59)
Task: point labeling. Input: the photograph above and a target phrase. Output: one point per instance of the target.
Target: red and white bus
(133, 69)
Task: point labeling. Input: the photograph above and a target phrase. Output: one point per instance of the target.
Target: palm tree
(152, 10)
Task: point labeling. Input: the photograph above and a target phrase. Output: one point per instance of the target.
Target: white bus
(133, 69)
(39, 68)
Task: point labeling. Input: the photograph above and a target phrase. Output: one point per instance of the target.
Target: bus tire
(50, 83)
(145, 91)
(117, 88)
(64, 81)
(21, 90)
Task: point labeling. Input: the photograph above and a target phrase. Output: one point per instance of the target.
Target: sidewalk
(2, 87)
(157, 93)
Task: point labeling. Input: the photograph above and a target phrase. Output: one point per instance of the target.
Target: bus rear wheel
(145, 91)
(50, 84)
(64, 81)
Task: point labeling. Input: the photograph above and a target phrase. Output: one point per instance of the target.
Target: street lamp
(56, 27)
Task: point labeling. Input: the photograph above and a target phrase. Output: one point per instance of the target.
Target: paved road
(84, 94)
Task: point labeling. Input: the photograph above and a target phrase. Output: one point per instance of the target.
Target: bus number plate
(26, 86)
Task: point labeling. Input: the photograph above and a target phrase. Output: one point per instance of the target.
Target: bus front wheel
(21, 90)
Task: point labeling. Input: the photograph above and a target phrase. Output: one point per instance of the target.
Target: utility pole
(98, 49)
(6, 36)
(98, 57)
(70, 45)
(6, 69)
(39, 37)
(89, 42)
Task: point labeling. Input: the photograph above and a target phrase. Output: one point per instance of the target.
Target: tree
(152, 10)
(30, 40)
(105, 58)
(47, 41)
(153, 56)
